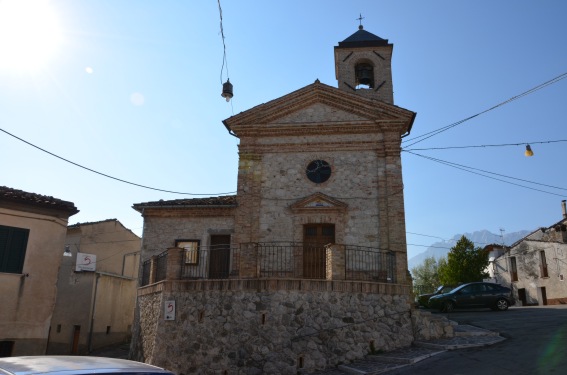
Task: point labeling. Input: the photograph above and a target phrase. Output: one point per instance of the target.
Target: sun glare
(29, 34)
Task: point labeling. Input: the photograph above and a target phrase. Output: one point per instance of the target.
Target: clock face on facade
(318, 171)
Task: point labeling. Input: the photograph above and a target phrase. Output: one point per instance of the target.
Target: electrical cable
(427, 235)
(497, 174)
(479, 146)
(104, 174)
(432, 133)
(470, 170)
(224, 60)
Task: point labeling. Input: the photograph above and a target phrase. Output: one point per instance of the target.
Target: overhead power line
(428, 235)
(472, 170)
(481, 146)
(432, 133)
(106, 175)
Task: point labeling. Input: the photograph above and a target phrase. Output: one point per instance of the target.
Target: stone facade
(364, 156)
(319, 171)
(540, 272)
(160, 232)
(535, 267)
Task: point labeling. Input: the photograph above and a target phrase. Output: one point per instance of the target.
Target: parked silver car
(75, 365)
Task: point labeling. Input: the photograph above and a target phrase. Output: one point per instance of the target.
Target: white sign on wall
(85, 262)
(169, 310)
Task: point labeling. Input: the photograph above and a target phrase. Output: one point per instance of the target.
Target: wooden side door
(522, 296)
(219, 258)
(543, 296)
(76, 336)
(315, 237)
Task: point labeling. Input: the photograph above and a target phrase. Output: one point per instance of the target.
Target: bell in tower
(364, 75)
(363, 66)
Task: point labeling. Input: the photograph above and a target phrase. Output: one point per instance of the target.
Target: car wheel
(448, 306)
(501, 305)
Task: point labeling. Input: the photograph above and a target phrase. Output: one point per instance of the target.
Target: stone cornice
(390, 149)
(341, 128)
(336, 286)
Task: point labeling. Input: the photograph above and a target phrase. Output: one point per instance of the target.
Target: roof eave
(140, 209)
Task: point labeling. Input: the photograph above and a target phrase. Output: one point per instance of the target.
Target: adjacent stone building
(535, 267)
(32, 239)
(306, 266)
(96, 289)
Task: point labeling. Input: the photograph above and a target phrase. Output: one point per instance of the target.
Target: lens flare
(30, 34)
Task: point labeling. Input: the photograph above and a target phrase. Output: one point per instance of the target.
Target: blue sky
(133, 90)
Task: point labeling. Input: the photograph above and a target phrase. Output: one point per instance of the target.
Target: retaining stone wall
(270, 332)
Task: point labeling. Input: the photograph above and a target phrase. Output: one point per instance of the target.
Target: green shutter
(13, 244)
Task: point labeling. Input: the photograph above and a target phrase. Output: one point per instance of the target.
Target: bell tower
(363, 64)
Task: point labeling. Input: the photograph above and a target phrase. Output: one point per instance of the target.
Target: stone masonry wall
(353, 181)
(269, 332)
(160, 232)
(530, 273)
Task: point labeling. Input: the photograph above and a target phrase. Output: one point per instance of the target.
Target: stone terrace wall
(267, 331)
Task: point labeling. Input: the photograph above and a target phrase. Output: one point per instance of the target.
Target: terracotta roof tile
(227, 200)
(76, 225)
(19, 196)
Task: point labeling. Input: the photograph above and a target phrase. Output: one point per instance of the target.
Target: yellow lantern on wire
(529, 151)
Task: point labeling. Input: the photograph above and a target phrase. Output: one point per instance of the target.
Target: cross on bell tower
(360, 18)
(363, 65)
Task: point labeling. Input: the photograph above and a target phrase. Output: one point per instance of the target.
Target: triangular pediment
(319, 104)
(318, 113)
(318, 202)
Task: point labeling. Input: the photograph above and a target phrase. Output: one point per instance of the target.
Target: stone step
(464, 330)
(406, 356)
(460, 342)
(369, 367)
(384, 362)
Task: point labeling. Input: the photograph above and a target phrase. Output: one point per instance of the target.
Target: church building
(306, 266)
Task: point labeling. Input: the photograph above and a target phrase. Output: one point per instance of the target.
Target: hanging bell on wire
(227, 90)
(529, 151)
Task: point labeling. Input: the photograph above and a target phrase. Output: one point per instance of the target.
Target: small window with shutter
(13, 244)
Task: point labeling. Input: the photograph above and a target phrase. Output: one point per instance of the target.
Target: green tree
(426, 276)
(465, 264)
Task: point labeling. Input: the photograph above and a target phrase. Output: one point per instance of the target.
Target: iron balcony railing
(282, 260)
(161, 266)
(146, 269)
(370, 264)
(214, 262)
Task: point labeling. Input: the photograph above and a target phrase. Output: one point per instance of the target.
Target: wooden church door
(315, 237)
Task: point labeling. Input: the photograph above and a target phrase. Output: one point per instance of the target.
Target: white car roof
(74, 365)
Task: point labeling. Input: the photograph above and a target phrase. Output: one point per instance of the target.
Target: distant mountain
(480, 238)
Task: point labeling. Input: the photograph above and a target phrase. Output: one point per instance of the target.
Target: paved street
(536, 344)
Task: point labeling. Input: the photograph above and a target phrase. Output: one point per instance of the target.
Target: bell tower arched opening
(364, 74)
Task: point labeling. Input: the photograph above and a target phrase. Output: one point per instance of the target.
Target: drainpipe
(90, 345)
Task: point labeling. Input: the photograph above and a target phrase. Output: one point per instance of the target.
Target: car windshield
(451, 289)
(444, 289)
